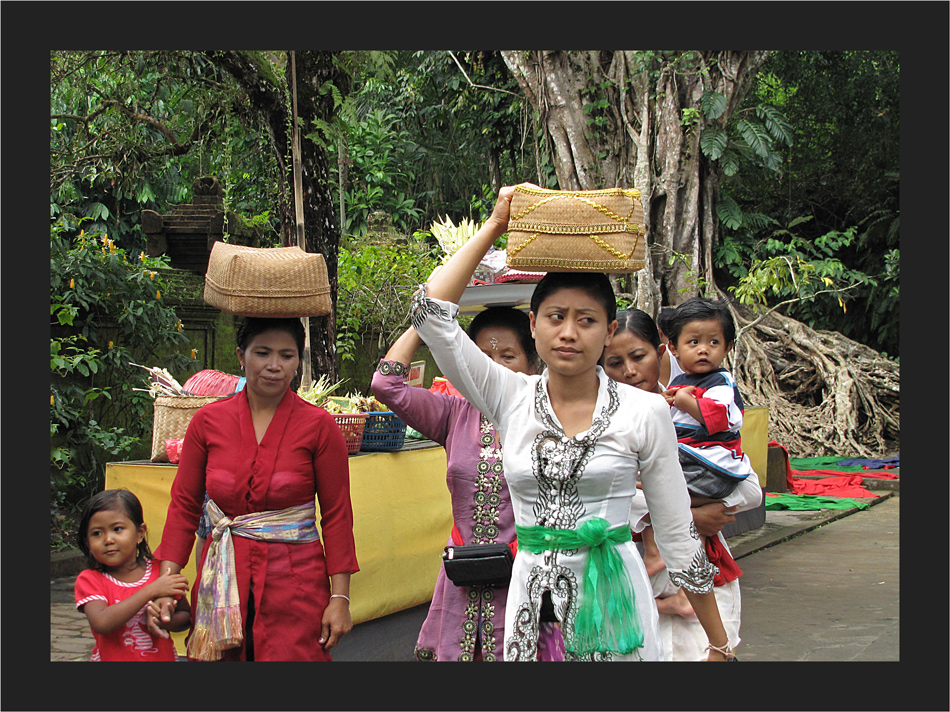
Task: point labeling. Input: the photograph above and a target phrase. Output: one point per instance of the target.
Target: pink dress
(481, 507)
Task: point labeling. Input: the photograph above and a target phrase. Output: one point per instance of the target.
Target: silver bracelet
(340, 595)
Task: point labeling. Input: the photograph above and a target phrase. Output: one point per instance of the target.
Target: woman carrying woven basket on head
(573, 441)
(268, 587)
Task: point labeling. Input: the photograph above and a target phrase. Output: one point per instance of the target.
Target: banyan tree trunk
(622, 119)
(616, 119)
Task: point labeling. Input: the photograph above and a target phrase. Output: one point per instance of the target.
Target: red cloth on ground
(719, 556)
(841, 486)
(833, 484)
(837, 473)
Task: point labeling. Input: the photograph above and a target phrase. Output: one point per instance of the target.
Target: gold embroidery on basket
(621, 224)
(597, 241)
(597, 206)
(519, 248)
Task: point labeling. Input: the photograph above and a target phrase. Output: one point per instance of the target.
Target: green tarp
(811, 502)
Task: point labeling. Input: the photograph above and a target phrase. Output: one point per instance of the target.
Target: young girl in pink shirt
(122, 579)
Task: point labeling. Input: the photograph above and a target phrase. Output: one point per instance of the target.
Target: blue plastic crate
(384, 430)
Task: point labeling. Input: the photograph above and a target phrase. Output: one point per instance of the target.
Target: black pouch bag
(478, 564)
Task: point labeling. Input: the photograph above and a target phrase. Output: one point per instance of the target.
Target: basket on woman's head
(576, 230)
(275, 282)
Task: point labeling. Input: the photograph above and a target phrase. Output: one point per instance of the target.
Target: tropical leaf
(98, 211)
(776, 123)
(713, 104)
(729, 212)
(774, 162)
(757, 221)
(729, 161)
(756, 136)
(713, 142)
(799, 220)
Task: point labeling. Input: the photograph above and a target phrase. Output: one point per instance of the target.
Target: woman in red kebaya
(270, 587)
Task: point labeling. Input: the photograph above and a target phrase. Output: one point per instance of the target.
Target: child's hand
(158, 616)
(670, 393)
(168, 585)
(153, 616)
(686, 389)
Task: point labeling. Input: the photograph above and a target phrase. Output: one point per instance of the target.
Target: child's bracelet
(340, 595)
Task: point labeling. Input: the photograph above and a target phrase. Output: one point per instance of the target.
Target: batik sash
(217, 614)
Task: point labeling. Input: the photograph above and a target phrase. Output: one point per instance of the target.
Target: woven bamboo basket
(275, 282)
(170, 418)
(576, 230)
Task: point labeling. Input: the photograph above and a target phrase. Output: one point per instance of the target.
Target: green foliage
(695, 282)
(133, 129)
(808, 278)
(597, 107)
(375, 288)
(460, 120)
(755, 140)
(713, 104)
(383, 159)
(834, 118)
(106, 311)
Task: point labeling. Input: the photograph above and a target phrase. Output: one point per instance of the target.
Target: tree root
(826, 395)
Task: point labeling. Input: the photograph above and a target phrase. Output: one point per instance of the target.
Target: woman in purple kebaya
(466, 623)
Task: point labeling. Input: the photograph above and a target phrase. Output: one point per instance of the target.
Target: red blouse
(301, 456)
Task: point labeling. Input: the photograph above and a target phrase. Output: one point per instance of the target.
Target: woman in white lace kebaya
(573, 442)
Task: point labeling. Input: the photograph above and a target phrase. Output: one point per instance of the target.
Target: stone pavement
(832, 595)
(69, 635)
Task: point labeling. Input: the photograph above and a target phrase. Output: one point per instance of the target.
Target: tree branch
(790, 301)
(473, 84)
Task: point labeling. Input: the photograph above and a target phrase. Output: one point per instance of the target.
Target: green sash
(607, 619)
